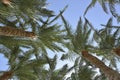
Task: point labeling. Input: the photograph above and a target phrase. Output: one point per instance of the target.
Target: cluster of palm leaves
(100, 42)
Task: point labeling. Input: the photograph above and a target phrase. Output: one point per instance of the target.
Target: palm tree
(82, 42)
(23, 16)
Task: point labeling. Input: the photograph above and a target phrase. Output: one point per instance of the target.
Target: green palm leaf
(111, 6)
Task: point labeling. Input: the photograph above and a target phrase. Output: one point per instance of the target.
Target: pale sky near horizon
(74, 11)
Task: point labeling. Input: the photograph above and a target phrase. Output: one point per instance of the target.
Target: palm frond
(106, 4)
(116, 33)
(67, 27)
(113, 10)
(82, 34)
(61, 12)
(93, 2)
(52, 62)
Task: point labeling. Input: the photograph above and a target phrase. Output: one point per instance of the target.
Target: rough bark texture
(6, 75)
(117, 51)
(109, 73)
(10, 31)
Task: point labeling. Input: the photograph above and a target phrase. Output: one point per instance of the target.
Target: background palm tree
(83, 42)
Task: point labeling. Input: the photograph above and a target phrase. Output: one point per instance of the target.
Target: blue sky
(75, 10)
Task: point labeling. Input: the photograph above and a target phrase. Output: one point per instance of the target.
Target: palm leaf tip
(67, 27)
(93, 2)
(61, 12)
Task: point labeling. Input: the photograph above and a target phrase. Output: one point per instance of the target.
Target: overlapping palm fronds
(106, 40)
(81, 37)
(106, 4)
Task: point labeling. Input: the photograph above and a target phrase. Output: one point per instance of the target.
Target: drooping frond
(67, 27)
(106, 4)
(93, 2)
(61, 12)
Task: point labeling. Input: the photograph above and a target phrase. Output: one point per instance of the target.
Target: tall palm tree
(108, 42)
(82, 42)
(24, 16)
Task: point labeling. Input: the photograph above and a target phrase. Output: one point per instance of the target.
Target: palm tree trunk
(6, 75)
(10, 31)
(109, 73)
(117, 51)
